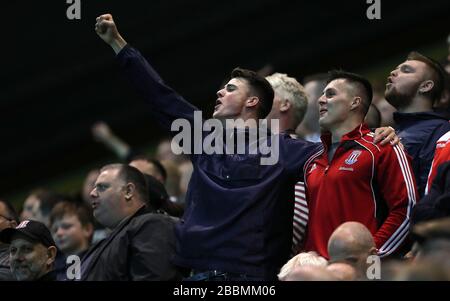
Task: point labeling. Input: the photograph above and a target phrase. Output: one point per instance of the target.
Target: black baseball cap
(34, 230)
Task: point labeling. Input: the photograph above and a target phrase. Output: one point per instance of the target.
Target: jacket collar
(97, 249)
(414, 117)
(355, 134)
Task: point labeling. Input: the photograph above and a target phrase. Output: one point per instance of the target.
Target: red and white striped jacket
(364, 182)
(441, 155)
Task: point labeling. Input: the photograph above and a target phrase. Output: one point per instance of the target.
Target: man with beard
(32, 251)
(412, 88)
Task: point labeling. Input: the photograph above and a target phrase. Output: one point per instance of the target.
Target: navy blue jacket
(419, 133)
(239, 213)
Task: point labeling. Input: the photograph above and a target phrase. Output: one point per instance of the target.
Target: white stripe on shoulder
(445, 137)
(308, 162)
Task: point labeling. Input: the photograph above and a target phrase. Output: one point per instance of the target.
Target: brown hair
(82, 211)
(438, 76)
(260, 87)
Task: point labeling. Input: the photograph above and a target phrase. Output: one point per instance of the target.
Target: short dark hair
(155, 162)
(11, 211)
(157, 194)
(361, 82)
(259, 87)
(439, 75)
(81, 210)
(129, 174)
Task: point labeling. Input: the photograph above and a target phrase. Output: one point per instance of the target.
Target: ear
(51, 253)
(426, 86)
(373, 251)
(252, 101)
(129, 191)
(356, 102)
(285, 105)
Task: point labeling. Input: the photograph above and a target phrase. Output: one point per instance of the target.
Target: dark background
(58, 77)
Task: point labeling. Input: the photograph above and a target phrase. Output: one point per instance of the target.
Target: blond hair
(302, 259)
(290, 89)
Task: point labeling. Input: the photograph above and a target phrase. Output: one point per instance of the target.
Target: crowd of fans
(349, 199)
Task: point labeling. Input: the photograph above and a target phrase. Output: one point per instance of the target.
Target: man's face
(312, 112)
(28, 260)
(69, 234)
(231, 99)
(5, 220)
(30, 208)
(334, 104)
(108, 198)
(88, 185)
(404, 82)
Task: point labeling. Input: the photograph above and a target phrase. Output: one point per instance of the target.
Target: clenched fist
(107, 30)
(101, 131)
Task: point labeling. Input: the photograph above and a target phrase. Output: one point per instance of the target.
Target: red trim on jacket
(441, 155)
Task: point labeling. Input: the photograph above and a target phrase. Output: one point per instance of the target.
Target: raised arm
(107, 30)
(103, 134)
(165, 104)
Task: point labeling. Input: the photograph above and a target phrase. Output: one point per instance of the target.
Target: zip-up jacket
(364, 182)
(441, 155)
(419, 133)
(238, 216)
